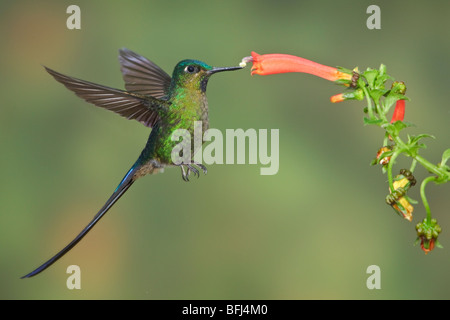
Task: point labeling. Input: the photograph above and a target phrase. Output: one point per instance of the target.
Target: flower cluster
(371, 86)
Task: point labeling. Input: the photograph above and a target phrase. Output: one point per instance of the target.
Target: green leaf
(379, 82)
(382, 69)
(370, 75)
(399, 125)
(383, 155)
(345, 70)
(443, 178)
(386, 154)
(403, 125)
(376, 94)
(394, 128)
(342, 82)
(409, 124)
(414, 149)
(445, 157)
(372, 121)
(415, 139)
(411, 200)
(413, 143)
(392, 98)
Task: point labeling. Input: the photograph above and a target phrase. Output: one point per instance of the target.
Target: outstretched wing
(136, 106)
(143, 76)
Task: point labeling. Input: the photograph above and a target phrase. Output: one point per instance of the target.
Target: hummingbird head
(194, 74)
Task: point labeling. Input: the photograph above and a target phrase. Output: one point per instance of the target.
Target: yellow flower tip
(337, 98)
(404, 208)
(343, 76)
(400, 183)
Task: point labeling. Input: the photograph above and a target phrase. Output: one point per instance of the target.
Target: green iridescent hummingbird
(158, 101)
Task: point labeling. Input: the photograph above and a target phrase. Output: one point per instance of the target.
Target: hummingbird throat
(236, 146)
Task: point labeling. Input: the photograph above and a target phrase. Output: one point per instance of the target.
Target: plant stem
(369, 104)
(433, 168)
(389, 170)
(413, 165)
(380, 112)
(424, 198)
(442, 174)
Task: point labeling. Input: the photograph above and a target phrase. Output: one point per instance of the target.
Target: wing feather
(143, 76)
(130, 105)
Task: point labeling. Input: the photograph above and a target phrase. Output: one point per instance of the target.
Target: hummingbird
(156, 100)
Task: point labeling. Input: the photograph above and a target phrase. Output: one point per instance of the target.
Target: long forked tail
(126, 182)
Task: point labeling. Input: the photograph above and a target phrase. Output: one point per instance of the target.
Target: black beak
(215, 70)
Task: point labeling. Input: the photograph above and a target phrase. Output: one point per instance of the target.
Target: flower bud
(354, 95)
(399, 87)
(428, 233)
(397, 199)
(385, 160)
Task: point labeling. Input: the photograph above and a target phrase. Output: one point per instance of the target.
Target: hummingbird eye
(191, 69)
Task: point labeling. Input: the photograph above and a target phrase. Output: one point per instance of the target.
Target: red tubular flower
(281, 63)
(399, 111)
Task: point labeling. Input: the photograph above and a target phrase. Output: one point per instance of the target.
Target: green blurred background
(309, 232)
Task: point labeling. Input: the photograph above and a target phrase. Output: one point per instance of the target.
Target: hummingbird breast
(185, 110)
(204, 114)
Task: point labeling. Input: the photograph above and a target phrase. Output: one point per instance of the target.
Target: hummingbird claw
(194, 170)
(187, 169)
(205, 171)
(188, 172)
(183, 173)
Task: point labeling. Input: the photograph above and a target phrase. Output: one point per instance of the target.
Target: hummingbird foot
(187, 169)
(205, 171)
